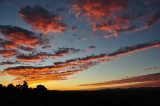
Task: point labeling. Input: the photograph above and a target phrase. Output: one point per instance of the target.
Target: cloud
(153, 68)
(74, 28)
(28, 49)
(135, 81)
(42, 20)
(61, 52)
(7, 44)
(136, 48)
(31, 57)
(8, 53)
(21, 36)
(116, 17)
(114, 27)
(64, 51)
(95, 9)
(71, 67)
(91, 48)
(104, 15)
(155, 18)
(8, 63)
(40, 73)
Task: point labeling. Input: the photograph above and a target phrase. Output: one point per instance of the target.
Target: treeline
(24, 87)
(22, 95)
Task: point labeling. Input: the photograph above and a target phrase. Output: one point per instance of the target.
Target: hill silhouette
(22, 95)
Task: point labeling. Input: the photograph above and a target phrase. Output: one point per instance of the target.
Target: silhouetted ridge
(22, 95)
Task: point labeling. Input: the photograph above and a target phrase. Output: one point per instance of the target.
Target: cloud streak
(136, 81)
(61, 52)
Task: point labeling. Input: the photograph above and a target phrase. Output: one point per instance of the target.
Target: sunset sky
(80, 44)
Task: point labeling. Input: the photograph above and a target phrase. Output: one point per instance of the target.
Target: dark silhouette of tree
(41, 88)
(25, 86)
(11, 87)
(21, 95)
(1, 86)
(19, 87)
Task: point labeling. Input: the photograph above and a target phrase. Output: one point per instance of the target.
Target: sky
(80, 44)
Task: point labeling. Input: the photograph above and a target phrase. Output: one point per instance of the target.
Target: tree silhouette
(11, 87)
(41, 88)
(19, 87)
(1, 85)
(25, 86)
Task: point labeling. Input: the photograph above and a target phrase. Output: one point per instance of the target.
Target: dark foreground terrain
(40, 96)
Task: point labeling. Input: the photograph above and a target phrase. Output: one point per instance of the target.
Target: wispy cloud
(37, 57)
(91, 48)
(136, 81)
(153, 68)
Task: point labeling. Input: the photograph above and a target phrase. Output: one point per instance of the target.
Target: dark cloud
(155, 18)
(41, 19)
(61, 52)
(8, 63)
(65, 51)
(138, 47)
(74, 28)
(91, 48)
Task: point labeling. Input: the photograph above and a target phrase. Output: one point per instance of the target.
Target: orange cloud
(7, 44)
(30, 58)
(114, 16)
(139, 81)
(96, 9)
(42, 20)
(114, 27)
(40, 73)
(8, 53)
(71, 67)
(20, 36)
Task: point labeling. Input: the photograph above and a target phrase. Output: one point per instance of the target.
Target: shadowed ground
(21, 95)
